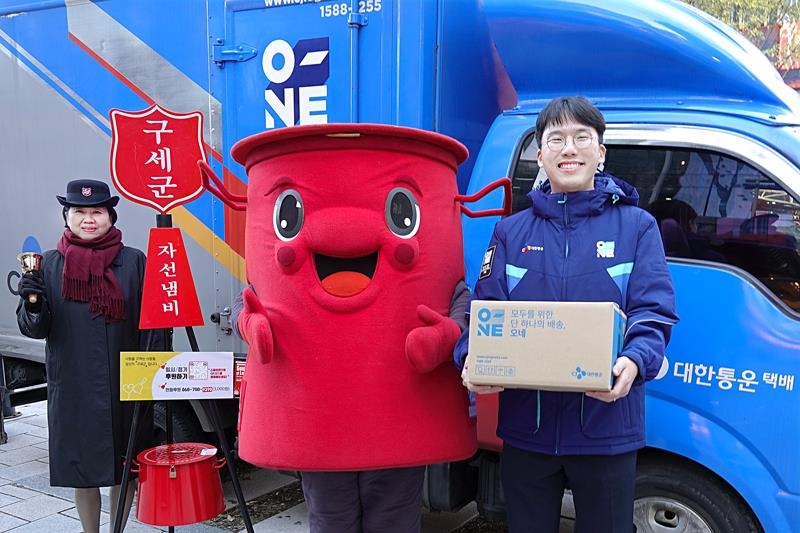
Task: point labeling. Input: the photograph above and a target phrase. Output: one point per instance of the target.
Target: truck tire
(21, 373)
(674, 496)
(25, 381)
(185, 426)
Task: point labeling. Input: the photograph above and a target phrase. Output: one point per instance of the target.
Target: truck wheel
(677, 497)
(185, 426)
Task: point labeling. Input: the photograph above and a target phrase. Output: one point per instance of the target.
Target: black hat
(87, 193)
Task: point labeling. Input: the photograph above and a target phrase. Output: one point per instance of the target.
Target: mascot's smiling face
(346, 276)
(344, 221)
(343, 239)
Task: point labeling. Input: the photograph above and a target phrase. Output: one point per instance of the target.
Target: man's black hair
(570, 108)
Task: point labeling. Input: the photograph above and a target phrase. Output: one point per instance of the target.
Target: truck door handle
(223, 319)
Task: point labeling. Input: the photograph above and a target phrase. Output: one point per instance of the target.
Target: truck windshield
(709, 206)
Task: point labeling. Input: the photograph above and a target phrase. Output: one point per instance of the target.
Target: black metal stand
(3, 393)
(126, 469)
(210, 406)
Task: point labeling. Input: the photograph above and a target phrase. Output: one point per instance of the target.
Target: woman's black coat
(88, 424)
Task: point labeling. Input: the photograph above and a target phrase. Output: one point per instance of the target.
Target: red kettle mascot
(354, 251)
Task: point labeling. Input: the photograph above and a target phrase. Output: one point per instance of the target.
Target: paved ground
(28, 504)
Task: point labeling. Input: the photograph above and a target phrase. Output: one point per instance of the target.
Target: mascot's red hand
(431, 345)
(255, 328)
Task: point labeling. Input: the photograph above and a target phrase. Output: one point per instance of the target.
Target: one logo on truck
(490, 322)
(297, 93)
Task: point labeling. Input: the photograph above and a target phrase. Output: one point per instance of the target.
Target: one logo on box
(490, 322)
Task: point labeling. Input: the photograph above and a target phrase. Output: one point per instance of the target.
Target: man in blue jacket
(583, 239)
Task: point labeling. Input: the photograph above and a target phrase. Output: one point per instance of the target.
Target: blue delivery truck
(698, 121)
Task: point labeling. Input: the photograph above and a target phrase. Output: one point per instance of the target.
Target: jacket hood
(608, 190)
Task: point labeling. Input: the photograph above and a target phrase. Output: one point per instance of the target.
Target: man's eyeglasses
(582, 140)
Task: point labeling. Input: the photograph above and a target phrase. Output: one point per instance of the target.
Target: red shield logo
(154, 156)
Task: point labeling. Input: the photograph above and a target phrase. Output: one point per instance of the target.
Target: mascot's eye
(402, 212)
(288, 218)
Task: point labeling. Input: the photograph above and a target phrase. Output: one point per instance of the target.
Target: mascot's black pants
(369, 501)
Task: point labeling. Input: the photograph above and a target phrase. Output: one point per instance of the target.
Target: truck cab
(706, 130)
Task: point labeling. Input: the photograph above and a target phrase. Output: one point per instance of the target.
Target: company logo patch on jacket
(529, 248)
(488, 259)
(605, 249)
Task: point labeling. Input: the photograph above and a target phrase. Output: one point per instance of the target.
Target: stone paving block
(133, 526)
(41, 483)
(9, 522)
(18, 427)
(37, 507)
(21, 455)
(33, 408)
(42, 433)
(43, 445)
(72, 512)
(197, 528)
(20, 492)
(34, 420)
(29, 415)
(56, 523)
(21, 441)
(138, 527)
(258, 482)
(31, 468)
(6, 499)
(445, 522)
(292, 520)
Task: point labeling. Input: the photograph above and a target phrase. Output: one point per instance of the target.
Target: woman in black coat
(85, 301)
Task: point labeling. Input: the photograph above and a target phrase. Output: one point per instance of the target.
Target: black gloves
(32, 283)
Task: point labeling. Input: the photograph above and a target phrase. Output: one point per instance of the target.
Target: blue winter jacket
(592, 246)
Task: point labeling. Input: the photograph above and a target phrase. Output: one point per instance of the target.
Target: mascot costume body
(354, 251)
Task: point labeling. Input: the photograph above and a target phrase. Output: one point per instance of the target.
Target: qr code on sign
(198, 369)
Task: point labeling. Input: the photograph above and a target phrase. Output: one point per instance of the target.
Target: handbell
(28, 262)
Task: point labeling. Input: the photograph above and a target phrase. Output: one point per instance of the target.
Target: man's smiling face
(570, 154)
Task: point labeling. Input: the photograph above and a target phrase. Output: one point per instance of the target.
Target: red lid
(333, 136)
(177, 454)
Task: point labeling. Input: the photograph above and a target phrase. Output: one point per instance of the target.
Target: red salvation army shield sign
(154, 156)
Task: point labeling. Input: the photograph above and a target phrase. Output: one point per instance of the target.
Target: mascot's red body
(354, 248)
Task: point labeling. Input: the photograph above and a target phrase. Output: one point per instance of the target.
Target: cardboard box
(544, 345)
